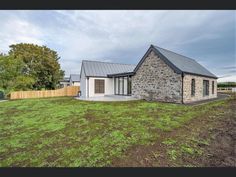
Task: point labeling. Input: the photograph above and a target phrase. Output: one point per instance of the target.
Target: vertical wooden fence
(66, 91)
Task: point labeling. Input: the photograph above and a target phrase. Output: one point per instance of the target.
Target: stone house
(161, 75)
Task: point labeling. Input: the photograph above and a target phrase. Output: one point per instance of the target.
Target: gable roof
(179, 63)
(102, 69)
(75, 78)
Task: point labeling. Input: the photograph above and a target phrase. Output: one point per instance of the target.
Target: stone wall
(155, 80)
(198, 88)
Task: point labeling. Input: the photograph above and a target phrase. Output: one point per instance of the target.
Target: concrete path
(3, 100)
(129, 98)
(108, 98)
(220, 96)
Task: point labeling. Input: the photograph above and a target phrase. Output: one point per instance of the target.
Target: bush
(2, 94)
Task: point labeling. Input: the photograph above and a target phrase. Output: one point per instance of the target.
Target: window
(193, 87)
(116, 85)
(213, 87)
(129, 86)
(205, 87)
(99, 86)
(121, 86)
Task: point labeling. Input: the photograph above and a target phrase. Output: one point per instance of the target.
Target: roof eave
(202, 75)
(121, 74)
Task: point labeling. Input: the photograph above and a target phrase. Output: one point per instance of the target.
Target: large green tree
(40, 63)
(11, 75)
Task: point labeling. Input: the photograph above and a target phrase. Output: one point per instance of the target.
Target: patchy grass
(68, 132)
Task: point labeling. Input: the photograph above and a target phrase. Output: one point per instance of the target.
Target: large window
(122, 85)
(213, 87)
(205, 87)
(99, 86)
(193, 87)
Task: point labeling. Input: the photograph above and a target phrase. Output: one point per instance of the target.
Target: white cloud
(78, 35)
(227, 79)
(16, 30)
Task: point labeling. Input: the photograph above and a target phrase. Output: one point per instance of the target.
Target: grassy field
(68, 132)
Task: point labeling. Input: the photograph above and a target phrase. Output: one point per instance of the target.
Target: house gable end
(155, 80)
(159, 54)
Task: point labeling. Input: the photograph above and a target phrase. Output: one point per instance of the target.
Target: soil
(219, 129)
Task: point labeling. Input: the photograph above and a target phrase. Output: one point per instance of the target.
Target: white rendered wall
(109, 86)
(83, 84)
(76, 84)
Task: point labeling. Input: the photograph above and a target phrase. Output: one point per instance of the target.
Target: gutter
(121, 74)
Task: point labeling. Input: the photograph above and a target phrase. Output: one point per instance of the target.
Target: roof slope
(102, 69)
(75, 77)
(183, 63)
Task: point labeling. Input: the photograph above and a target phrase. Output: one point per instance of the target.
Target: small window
(205, 87)
(213, 87)
(99, 86)
(193, 87)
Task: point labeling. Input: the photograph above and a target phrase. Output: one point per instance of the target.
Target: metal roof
(179, 63)
(185, 64)
(75, 77)
(65, 79)
(102, 69)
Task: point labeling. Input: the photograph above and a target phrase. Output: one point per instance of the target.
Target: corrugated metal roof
(102, 69)
(75, 77)
(184, 63)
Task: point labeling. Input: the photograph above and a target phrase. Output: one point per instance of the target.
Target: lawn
(68, 132)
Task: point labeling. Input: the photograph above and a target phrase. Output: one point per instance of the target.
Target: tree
(40, 63)
(11, 75)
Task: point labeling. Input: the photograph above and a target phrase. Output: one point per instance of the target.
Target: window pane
(193, 87)
(99, 86)
(125, 85)
(121, 85)
(205, 87)
(213, 87)
(117, 85)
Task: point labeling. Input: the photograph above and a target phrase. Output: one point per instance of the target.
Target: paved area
(220, 96)
(129, 98)
(108, 98)
(3, 100)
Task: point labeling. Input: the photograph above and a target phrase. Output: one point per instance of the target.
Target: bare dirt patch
(208, 140)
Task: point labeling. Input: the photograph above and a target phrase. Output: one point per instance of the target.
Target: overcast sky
(124, 36)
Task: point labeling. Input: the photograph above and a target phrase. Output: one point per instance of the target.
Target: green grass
(68, 132)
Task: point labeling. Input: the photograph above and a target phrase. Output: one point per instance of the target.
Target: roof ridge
(175, 53)
(107, 62)
(202, 68)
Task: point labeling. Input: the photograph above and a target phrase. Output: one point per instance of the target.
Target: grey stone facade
(155, 80)
(187, 97)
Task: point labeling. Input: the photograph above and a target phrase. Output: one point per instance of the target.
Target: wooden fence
(66, 91)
